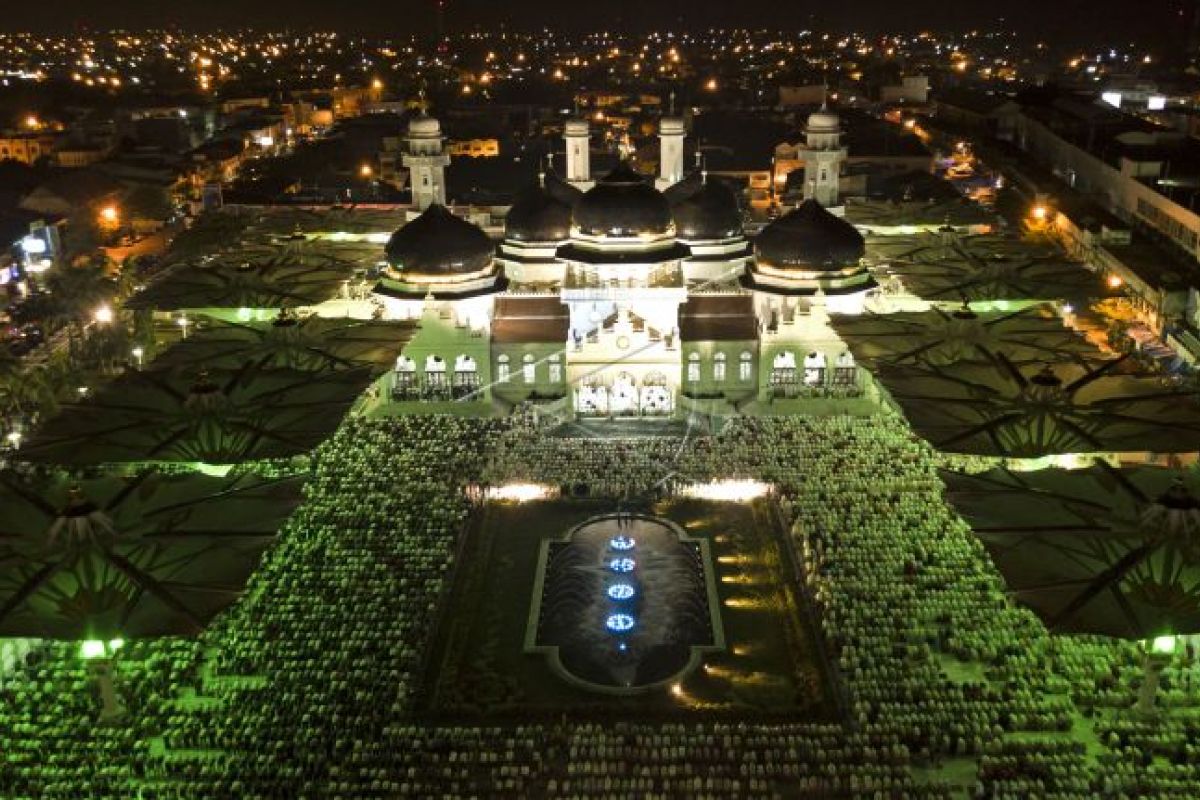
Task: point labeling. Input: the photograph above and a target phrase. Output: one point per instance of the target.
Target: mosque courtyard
(607, 495)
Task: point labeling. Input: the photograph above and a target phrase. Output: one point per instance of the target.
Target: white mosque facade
(616, 295)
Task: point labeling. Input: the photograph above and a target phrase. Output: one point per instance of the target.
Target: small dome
(809, 238)
(671, 125)
(538, 216)
(439, 243)
(424, 126)
(622, 203)
(824, 121)
(712, 212)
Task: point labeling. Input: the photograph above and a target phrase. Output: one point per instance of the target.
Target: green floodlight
(91, 648)
(1163, 645)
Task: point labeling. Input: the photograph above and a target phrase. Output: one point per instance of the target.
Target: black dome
(562, 191)
(809, 237)
(712, 212)
(538, 216)
(439, 243)
(622, 203)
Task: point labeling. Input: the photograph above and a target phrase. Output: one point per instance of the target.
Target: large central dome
(622, 203)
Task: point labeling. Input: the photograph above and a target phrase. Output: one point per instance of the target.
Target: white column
(579, 168)
(670, 139)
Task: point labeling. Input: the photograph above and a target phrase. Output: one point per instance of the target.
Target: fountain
(624, 603)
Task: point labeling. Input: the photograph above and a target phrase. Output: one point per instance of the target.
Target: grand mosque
(623, 295)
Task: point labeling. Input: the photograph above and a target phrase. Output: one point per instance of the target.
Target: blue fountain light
(621, 591)
(622, 565)
(622, 543)
(619, 623)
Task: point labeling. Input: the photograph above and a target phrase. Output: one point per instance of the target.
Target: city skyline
(1072, 20)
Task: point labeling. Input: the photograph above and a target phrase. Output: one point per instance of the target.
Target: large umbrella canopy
(147, 555)
(1107, 551)
(922, 211)
(259, 274)
(1000, 409)
(951, 267)
(938, 338)
(214, 416)
(304, 343)
(328, 220)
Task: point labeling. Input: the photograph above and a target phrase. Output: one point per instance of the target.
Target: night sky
(1070, 20)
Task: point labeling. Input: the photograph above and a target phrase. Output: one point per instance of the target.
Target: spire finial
(672, 102)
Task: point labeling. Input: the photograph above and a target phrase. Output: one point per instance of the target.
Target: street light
(137, 354)
(103, 315)
(110, 215)
(14, 439)
(366, 171)
(183, 323)
(1039, 213)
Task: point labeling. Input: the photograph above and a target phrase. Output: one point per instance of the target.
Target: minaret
(426, 160)
(579, 170)
(670, 139)
(823, 155)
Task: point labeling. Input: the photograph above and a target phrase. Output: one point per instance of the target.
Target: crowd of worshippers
(307, 686)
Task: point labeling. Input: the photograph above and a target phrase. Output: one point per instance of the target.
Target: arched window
(693, 368)
(814, 369)
(745, 367)
(845, 372)
(529, 369)
(556, 368)
(502, 368)
(435, 371)
(405, 364)
(719, 367)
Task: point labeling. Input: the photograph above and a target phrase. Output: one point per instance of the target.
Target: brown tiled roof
(522, 320)
(705, 318)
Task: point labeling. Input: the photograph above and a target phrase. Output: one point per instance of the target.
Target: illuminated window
(555, 369)
(502, 368)
(529, 370)
(745, 367)
(719, 367)
(693, 368)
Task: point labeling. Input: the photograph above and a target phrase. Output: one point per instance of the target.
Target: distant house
(67, 193)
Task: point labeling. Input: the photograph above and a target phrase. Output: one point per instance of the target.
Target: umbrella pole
(1152, 666)
(111, 707)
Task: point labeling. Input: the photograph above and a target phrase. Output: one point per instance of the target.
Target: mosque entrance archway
(626, 397)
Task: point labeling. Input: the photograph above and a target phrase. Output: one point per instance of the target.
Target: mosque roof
(711, 212)
(538, 215)
(439, 243)
(809, 237)
(623, 203)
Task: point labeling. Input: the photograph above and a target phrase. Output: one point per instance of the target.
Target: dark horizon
(1067, 21)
